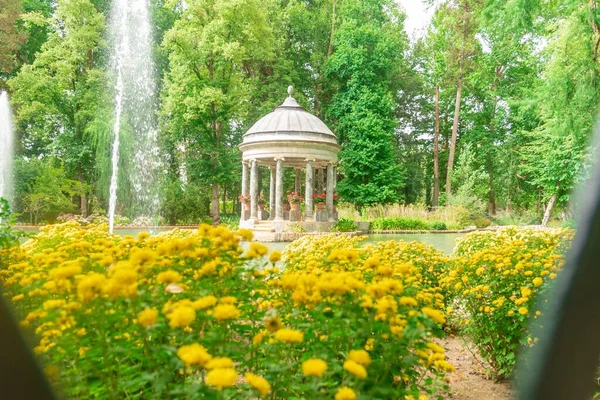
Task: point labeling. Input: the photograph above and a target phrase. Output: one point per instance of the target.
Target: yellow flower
(193, 354)
(67, 270)
(204, 302)
(436, 315)
(51, 304)
(142, 257)
(259, 383)
(90, 286)
(168, 276)
(143, 236)
(220, 362)
(148, 317)
(226, 311)
(345, 393)
(221, 378)
(436, 348)
(355, 369)
(181, 317)
(408, 301)
(246, 234)
(273, 324)
(360, 356)
(538, 281)
(275, 256)
(314, 367)
(370, 344)
(289, 336)
(523, 311)
(525, 291)
(256, 250)
(18, 297)
(258, 338)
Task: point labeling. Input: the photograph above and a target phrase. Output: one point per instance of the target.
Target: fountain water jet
(6, 148)
(135, 105)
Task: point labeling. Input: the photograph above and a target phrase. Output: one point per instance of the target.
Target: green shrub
(389, 224)
(230, 221)
(482, 222)
(344, 225)
(438, 226)
(495, 282)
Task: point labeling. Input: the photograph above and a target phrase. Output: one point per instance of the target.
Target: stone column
(308, 194)
(244, 185)
(329, 195)
(272, 193)
(279, 190)
(254, 190)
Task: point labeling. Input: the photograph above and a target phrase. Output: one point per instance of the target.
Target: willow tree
(567, 101)
(215, 50)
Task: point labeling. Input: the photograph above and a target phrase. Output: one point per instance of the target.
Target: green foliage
(230, 221)
(365, 66)
(496, 280)
(216, 51)
(344, 225)
(390, 224)
(45, 190)
(438, 226)
(9, 237)
(184, 203)
(481, 222)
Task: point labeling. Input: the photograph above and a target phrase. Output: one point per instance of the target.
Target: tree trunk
(548, 211)
(454, 133)
(224, 199)
(82, 200)
(499, 71)
(318, 95)
(491, 197)
(215, 204)
(330, 47)
(436, 151)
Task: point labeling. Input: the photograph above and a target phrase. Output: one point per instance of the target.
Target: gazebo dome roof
(289, 117)
(292, 133)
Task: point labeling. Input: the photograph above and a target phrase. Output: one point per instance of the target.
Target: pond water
(441, 241)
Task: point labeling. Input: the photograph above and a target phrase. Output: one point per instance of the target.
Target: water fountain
(6, 148)
(135, 105)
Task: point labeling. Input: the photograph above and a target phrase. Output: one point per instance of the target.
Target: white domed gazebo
(289, 137)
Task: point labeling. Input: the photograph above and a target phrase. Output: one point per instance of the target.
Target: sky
(418, 16)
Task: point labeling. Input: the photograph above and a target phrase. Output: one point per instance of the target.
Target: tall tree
(567, 99)
(56, 96)
(368, 52)
(461, 16)
(11, 38)
(216, 50)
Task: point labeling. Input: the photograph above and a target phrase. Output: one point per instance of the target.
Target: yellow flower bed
(495, 281)
(190, 314)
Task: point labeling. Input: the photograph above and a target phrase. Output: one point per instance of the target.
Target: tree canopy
(495, 98)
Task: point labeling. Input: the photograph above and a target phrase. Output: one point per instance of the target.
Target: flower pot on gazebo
(295, 206)
(286, 206)
(320, 206)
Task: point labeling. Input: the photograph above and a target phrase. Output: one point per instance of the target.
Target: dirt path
(468, 382)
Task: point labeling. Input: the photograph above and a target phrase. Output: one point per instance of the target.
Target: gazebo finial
(290, 90)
